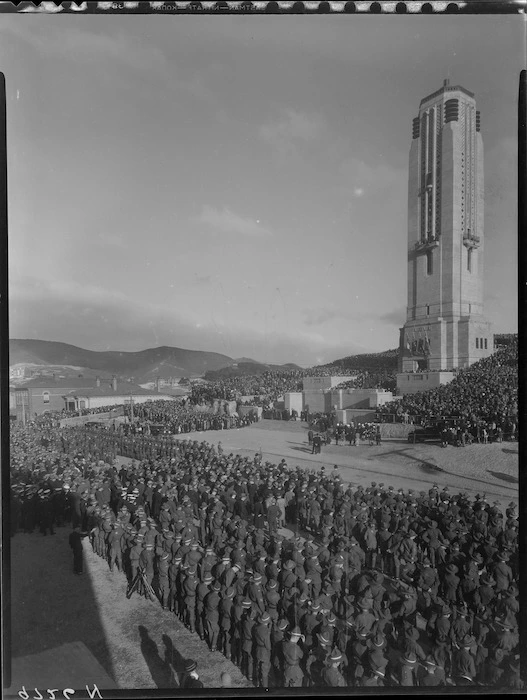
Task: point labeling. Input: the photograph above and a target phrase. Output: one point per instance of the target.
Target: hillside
(245, 369)
(372, 362)
(144, 366)
(387, 361)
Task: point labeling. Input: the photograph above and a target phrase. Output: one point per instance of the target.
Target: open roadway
(491, 469)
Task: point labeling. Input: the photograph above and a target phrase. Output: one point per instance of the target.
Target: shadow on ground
(297, 448)
(50, 605)
(173, 658)
(159, 668)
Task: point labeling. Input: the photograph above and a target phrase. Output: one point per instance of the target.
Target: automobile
(159, 429)
(96, 424)
(426, 433)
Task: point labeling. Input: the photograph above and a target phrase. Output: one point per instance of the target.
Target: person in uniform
(163, 580)
(331, 675)
(212, 615)
(406, 673)
(262, 649)
(191, 678)
(433, 675)
(75, 541)
(190, 585)
(114, 546)
(226, 606)
(202, 591)
(464, 666)
(247, 642)
(292, 654)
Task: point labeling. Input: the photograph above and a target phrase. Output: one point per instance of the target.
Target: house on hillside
(113, 394)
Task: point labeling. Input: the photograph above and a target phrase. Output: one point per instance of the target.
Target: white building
(116, 394)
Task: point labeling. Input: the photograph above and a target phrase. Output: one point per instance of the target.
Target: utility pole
(131, 407)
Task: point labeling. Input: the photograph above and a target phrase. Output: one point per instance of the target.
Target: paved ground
(490, 469)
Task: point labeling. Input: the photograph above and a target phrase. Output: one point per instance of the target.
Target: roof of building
(447, 88)
(174, 390)
(123, 389)
(60, 383)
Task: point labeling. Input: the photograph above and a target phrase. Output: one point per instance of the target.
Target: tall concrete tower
(445, 326)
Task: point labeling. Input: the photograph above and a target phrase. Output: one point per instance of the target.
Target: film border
(269, 7)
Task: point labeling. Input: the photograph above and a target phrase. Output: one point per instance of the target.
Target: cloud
(293, 127)
(322, 315)
(112, 240)
(226, 221)
(79, 44)
(97, 318)
(397, 317)
(364, 179)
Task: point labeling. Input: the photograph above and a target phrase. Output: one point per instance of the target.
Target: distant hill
(143, 366)
(372, 362)
(248, 368)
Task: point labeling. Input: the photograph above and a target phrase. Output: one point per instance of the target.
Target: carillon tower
(445, 325)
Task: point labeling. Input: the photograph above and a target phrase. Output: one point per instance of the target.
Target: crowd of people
(176, 417)
(368, 587)
(486, 391)
(268, 385)
(371, 362)
(364, 379)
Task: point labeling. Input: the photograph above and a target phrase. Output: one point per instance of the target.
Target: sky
(238, 184)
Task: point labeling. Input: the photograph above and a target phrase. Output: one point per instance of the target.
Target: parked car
(426, 433)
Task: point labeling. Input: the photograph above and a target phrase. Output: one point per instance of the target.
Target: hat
(487, 580)
(429, 661)
(335, 656)
(410, 658)
(452, 569)
(498, 655)
(246, 603)
(265, 617)
(468, 641)
(323, 638)
(190, 666)
(295, 632)
(379, 640)
(282, 625)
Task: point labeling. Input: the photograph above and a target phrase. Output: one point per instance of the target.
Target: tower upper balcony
(426, 244)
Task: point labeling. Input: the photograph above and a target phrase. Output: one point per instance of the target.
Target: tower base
(414, 382)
